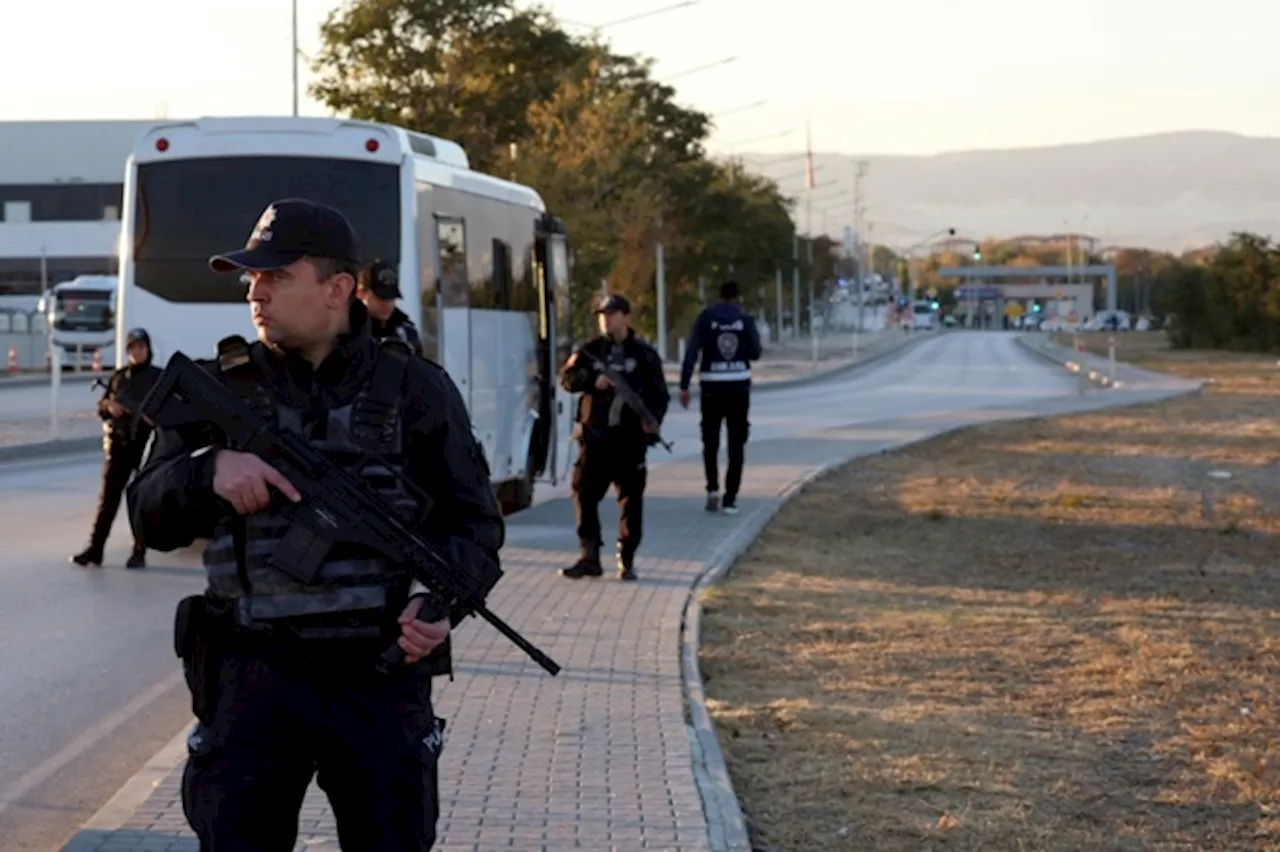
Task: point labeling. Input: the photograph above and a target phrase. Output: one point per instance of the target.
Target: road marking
(16, 791)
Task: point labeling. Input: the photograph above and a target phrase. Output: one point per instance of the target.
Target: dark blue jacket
(726, 340)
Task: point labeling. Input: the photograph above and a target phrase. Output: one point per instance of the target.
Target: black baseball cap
(289, 230)
(614, 303)
(137, 335)
(381, 279)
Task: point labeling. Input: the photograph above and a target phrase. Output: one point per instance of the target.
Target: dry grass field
(1050, 635)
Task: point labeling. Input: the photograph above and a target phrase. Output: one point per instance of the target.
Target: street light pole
(295, 58)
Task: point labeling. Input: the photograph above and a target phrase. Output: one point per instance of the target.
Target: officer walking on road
(282, 674)
(612, 440)
(124, 441)
(378, 286)
(726, 340)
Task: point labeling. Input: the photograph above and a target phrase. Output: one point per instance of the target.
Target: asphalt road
(89, 686)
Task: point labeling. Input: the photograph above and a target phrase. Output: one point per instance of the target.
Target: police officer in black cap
(378, 286)
(282, 674)
(612, 440)
(124, 442)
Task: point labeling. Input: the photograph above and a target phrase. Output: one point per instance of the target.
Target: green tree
(464, 70)
(608, 147)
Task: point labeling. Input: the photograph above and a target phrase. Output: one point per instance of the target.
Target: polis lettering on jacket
(736, 325)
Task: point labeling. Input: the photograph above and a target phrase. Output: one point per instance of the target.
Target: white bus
(483, 268)
(81, 317)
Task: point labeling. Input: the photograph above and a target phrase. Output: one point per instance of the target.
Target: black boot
(588, 565)
(89, 556)
(626, 565)
(137, 559)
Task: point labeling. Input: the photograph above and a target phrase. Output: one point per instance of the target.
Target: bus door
(453, 299)
(550, 456)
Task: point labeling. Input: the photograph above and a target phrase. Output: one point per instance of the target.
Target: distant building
(61, 186)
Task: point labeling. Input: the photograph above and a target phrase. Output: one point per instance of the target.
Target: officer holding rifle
(624, 399)
(283, 673)
(124, 441)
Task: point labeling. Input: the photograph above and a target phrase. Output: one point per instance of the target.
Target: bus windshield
(188, 210)
(83, 310)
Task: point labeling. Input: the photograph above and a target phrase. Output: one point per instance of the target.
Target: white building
(61, 185)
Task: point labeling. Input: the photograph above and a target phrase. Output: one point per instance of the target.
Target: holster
(197, 642)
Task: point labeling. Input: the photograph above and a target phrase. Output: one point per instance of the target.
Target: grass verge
(1051, 635)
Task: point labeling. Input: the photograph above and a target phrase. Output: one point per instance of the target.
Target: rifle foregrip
(394, 657)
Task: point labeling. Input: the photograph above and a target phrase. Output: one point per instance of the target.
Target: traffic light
(977, 254)
(934, 305)
(1035, 307)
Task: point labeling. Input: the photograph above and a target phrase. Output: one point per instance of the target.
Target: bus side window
(452, 244)
(501, 275)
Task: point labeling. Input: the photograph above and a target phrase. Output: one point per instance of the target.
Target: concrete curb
(726, 824)
(133, 795)
(822, 375)
(49, 449)
(43, 379)
(1073, 366)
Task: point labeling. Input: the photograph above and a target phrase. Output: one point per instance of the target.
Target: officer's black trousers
(726, 403)
(120, 463)
(274, 724)
(603, 462)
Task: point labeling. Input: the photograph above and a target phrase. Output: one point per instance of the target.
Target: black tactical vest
(365, 438)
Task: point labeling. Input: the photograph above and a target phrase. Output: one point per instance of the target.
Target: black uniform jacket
(172, 503)
(640, 366)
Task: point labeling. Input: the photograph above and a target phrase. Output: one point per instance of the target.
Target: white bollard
(55, 386)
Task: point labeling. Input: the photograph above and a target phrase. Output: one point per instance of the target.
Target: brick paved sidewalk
(596, 758)
(599, 758)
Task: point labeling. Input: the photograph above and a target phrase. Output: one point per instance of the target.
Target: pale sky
(895, 76)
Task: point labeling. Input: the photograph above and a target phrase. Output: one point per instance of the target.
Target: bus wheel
(516, 495)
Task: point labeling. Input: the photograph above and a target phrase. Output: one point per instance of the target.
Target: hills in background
(1170, 191)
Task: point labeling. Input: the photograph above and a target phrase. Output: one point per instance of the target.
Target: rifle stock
(336, 507)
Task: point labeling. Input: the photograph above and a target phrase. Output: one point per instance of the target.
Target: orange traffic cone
(97, 362)
(13, 360)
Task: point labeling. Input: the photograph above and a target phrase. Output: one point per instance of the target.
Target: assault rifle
(627, 394)
(336, 507)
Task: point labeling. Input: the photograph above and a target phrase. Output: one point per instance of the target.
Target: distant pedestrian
(124, 442)
(725, 341)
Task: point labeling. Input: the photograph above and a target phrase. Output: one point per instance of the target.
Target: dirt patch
(1051, 635)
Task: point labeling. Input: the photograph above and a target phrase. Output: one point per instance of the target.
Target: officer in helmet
(378, 287)
(282, 673)
(124, 442)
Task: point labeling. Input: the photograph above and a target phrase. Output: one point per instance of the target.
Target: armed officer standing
(726, 340)
(612, 439)
(378, 286)
(282, 674)
(124, 442)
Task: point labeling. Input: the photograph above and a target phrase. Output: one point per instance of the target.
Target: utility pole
(660, 274)
(295, 58)
(809, 186)
(859, 227)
